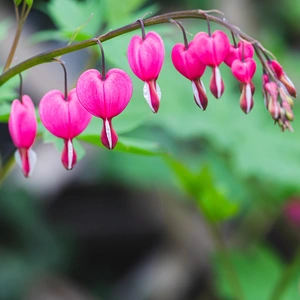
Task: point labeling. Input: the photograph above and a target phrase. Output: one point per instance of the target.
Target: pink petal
(199, 93)
(109, 137)
(243, 71)
(232, 55)
(26, 159)
(152, 94)
(146, 57)
(64, 119)
(22, 122)
(68, 156)
(186, 61)
(246, 100)
(246, 50)
(217, 86)
(104, 98)
(212, 50)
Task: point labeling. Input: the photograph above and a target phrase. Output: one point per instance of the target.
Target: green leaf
(258, 270)
(17, 2)
(209, 197)
(29, 2)
(79, 28)
(4, 112)
(68, 15)
(125, 144)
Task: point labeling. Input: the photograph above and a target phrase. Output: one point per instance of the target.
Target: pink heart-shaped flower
(212, 50)
(63, 118)
(243, 71)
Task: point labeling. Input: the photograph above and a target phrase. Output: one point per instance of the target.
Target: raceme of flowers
(105, 95)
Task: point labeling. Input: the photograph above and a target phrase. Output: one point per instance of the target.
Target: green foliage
(17, 2)
(83, 20)
(259, 270)
(211, 200)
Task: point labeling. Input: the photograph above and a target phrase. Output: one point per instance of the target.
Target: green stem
(164, 18)
(21, 18)
(231, 273)
(286, 277)
(13, 48)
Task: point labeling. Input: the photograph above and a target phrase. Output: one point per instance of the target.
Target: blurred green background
(190, 204)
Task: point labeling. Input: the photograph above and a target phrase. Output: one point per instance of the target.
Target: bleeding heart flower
(186, 62)
(22, 127)
(145, 57)
(283, 78)
(212, 50)
(243, 50)
(243, 71)
(66, 119)
(105, 98)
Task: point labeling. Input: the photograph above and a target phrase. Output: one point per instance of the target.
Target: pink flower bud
(246, 99)
(22, 127)
(105, 98)
(212, 50)
(145, 58)
(283, 78)
(242, 51)
(65, 119)
(186, 62)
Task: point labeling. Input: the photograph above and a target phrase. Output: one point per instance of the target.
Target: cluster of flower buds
(106, 94)
(277, 90)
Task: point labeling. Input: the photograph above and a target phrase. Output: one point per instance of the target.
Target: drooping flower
(66, 119)
(212, 50)
(22, 125)
(242, 51)
(283, 78)
(105, 98)
(187, 63)
(243, 71)
(145, 58)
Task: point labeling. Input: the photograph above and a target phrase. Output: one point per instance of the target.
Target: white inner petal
(108, 133)
(203, 87)
(196, 94)
(146, 91)
(218, 81)
(18, 158)
(158, 91)
(248, 97)
(70, 154)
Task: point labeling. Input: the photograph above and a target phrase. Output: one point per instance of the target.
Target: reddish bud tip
(109, 137)
(217, 86)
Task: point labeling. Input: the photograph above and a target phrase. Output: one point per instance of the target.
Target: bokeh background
(190, 205)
